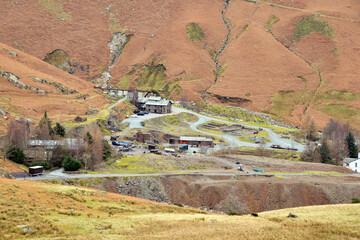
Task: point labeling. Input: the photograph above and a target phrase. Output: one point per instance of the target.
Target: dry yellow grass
(64, 212)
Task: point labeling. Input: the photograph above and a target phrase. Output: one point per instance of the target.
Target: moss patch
(272, 20)
(311, 24)
(56, 8)
(195, 32)
(338, 96)
(339, 111)
(284, 102)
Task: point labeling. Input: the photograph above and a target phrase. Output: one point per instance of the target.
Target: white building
(352, 163)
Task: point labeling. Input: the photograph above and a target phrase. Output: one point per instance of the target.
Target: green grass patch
(273, 153)
(310, 173)
(284, 102)
(337, 96)
(115, 25)
(56, 8)
(272, 20)
(195, 32)
(339, 111)
(188, 117)
(311, 24)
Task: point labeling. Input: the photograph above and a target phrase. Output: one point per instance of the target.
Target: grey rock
(3, 112)
(13, 53)
(22, 226)
(100, 228)
(27, 230)
(291, 215)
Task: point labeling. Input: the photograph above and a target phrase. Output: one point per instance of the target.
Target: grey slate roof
(349, 160)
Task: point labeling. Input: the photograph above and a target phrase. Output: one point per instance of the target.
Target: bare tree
(133, 94)
(334, 135)
(18, 134)
(93, 146)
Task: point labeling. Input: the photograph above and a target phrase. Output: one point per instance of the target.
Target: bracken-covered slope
(30, 210)
(30, 86)
(290, 58)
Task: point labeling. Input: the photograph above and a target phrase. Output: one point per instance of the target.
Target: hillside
(42, 211)
(285, 57)
(30, 86)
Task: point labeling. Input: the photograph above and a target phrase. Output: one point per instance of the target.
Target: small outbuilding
(197, 141)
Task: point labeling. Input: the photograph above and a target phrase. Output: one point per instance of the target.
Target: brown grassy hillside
(55, 88)
(63, 212)
(289, 58)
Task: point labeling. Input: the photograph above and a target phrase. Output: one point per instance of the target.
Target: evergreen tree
(45, 122)
(351, 144)
(59, 130)
(15, 154)
(325, 153)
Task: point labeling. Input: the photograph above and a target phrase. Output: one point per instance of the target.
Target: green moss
(284, 102)
(195, 32)
(115, 25)
(311, 24)
(339, 111)
(188, 117)
(56, 8)
(272, 20)
(338, 96)
(335, 51)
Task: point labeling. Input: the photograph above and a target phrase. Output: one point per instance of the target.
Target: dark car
(136, 111)
(237, 162)
(146, 112)
(140, 114)
(115, 143)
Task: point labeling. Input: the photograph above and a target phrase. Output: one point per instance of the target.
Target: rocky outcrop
(59, 87)
(60, 59)
(116, 46)
(14, 80)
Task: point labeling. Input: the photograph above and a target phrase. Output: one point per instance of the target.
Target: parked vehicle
(169, 150)
(259, 170)
(184, 147)
(124, 144)
(136, 111)
(146, 112)
(140, 114)
(133, 116)
(36, 170)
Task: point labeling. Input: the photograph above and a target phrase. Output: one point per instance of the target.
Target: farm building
(352, 163)
(42, 150)
(197, 141)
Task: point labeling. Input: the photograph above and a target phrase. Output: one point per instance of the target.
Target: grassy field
(152, 163)
(63, 212)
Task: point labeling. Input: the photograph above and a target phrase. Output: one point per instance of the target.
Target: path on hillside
(119, 101)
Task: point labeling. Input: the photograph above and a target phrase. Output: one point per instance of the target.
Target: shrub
(59, 130)
(178, 204)
(355, 200)
(15, 154)
(71, 164)
(232, 213)
(254, 214)
(46, 165)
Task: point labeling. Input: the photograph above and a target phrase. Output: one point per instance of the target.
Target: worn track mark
(216, 58)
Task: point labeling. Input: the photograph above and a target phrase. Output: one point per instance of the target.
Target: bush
(232, 213)
(71, 164)
(178, 204)
(355, 200)
(46, 165)
(15, 154)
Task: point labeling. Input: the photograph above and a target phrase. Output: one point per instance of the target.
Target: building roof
(53, 143)
(349, 160)
(162, 102)
(199, 139)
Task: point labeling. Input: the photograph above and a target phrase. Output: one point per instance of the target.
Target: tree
(71, 164)
(15, 154)
(93, 146)
(325, 153)
(45, 132)
(133, 94)
(310, 129)
(351, 145)
(59, 130)
(18, 135)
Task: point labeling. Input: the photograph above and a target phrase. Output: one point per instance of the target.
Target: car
(237, 162)
(133, 116)
(136, 111)
(146, 112)
(140, 114)
(259, 170)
